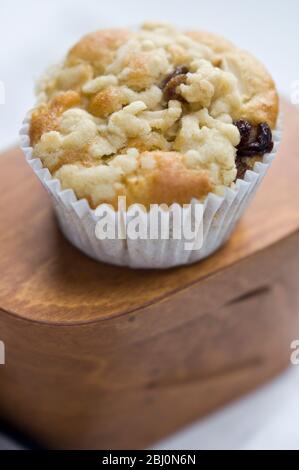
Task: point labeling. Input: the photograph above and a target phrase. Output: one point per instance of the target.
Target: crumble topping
(123, 104)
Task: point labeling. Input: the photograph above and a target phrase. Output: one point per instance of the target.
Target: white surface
(34, 34)
(266, 419)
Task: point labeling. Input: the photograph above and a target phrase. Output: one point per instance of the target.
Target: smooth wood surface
(105, 357)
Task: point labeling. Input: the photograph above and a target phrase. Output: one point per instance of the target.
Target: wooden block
(99, 356)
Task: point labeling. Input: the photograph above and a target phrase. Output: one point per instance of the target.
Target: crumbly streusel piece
(150, 114)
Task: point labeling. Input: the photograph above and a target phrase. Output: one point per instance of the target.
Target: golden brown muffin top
(149, 114)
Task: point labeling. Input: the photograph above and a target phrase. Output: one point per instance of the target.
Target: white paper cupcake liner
(78, 221)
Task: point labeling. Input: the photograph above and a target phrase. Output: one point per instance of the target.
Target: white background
(34, 34)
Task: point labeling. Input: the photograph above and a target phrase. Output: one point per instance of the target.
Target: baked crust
(158, 178)
(261, 103)
(105, 128)
(97, 48)
(217, 43)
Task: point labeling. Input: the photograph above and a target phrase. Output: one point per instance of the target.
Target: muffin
(157, 116)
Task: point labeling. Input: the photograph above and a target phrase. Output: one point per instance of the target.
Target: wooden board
(104, 357)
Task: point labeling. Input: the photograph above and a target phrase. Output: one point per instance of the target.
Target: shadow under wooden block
(105, 357)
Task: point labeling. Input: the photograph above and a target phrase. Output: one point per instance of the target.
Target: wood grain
(106, 357)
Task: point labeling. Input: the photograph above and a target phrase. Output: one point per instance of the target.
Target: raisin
(255, 140)
(244, 128)
(172, 81)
